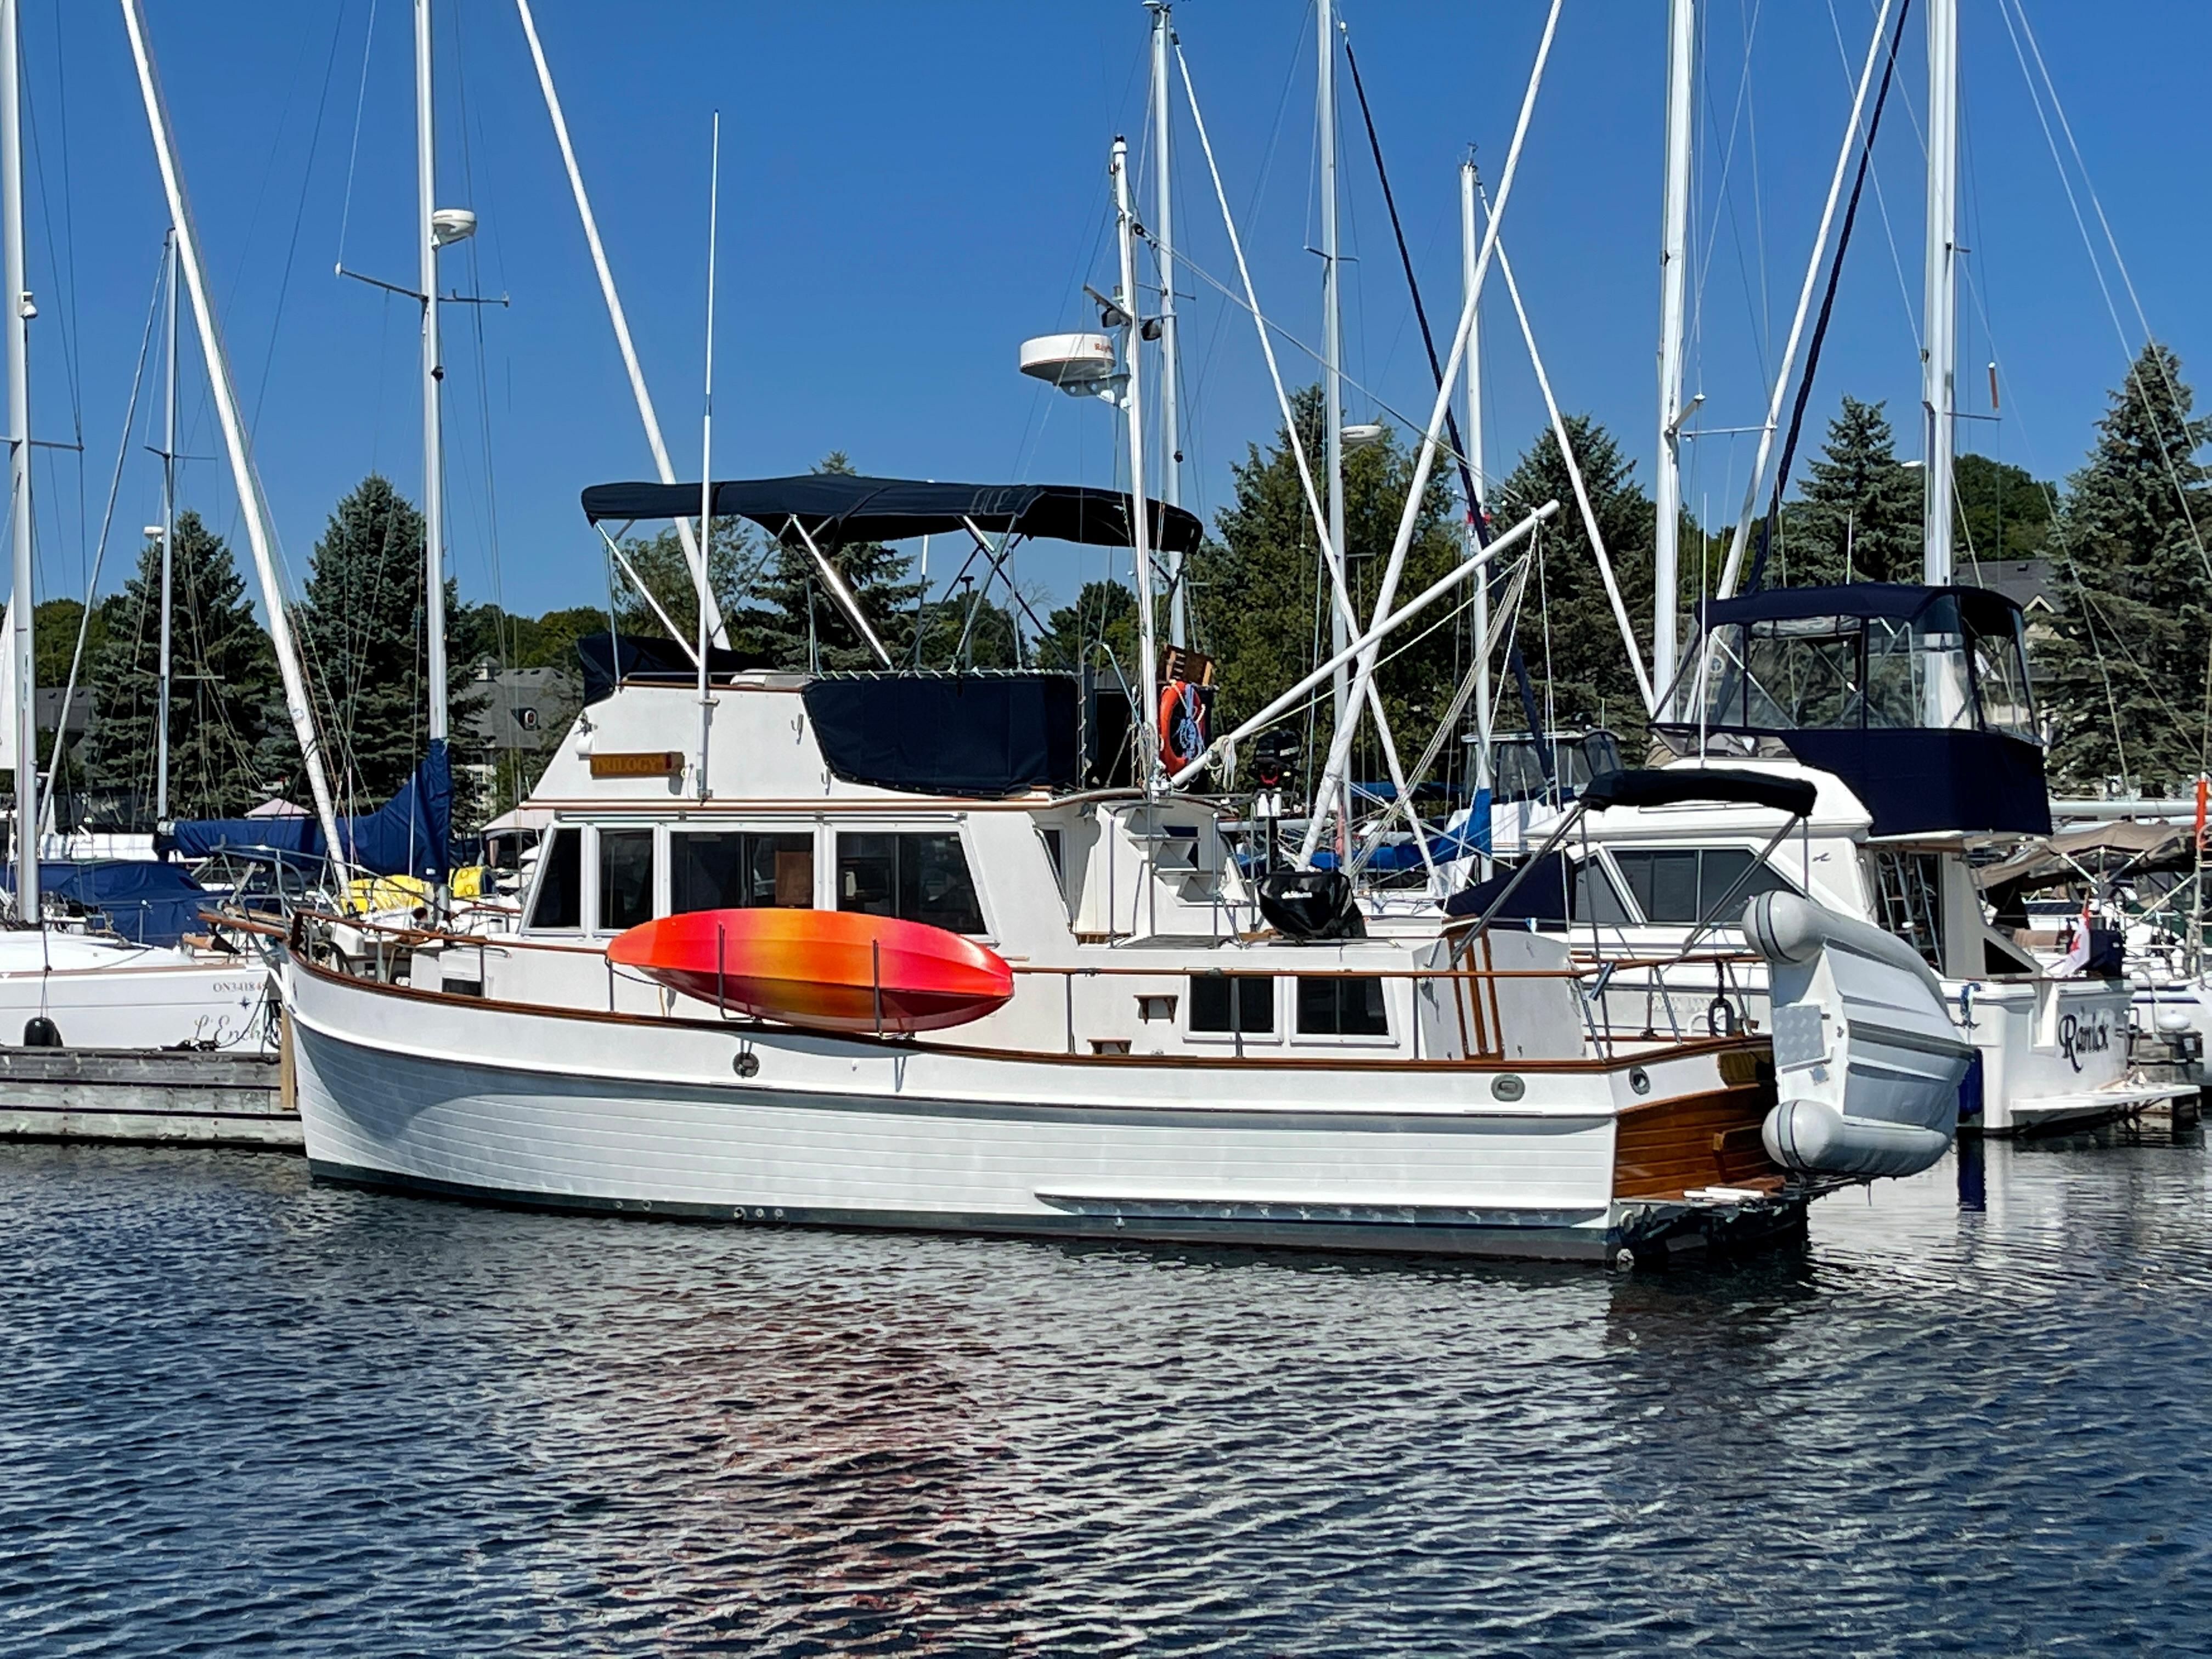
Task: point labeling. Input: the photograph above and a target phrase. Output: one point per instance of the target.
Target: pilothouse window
(739, 870)
(1682, 884)
(625, 878)
(1224, 1003)
(915, 878)
(1341, 1007)
(560, 902)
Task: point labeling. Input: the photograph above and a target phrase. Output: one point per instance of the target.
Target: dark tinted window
(1232, 1002)
(625, 878)
(739, 870)
(1680, 885)
(915, 878)
(1596, 899)
(1341, 1007)
(561, 882)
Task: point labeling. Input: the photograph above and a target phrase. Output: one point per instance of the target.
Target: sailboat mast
(706, 453)
(1469, 240)
(1164, 242)
(1940, 325)
(21, 602)
(250, 503)
(1139, 515)
(433, 371)
(168, 549)
(1674, 270)
(1332, 360)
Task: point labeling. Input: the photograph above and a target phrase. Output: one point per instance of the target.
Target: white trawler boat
(1155, 1063)
(1907, 710)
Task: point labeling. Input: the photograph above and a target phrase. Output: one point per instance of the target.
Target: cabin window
(1596, 899)
(1680, 885)
(560, 902)
(739, 870)
(1342, 1007)
(1226, 1004)
(915, 878)
(625, 878)
(1055, 848)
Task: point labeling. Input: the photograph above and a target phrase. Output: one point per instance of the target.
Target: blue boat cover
(411, 835)
(146, 902)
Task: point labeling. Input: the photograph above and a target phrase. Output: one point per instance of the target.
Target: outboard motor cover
(1315, 905)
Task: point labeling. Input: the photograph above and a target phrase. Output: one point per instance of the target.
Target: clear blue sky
(908, 190)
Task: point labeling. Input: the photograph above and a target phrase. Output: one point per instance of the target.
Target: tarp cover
(146, 902)
(1917, 779)
(837, 507)
(1541, 897)
(1675, 786)
(610, 658)
(409, 836)
(950, 734)
(2107, 851)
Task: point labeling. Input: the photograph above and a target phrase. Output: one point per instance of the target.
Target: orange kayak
(833, 970)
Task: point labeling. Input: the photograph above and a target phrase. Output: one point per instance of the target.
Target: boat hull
(631, 1114)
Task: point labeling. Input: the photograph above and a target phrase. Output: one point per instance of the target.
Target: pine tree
(1098, 631)
(1567, 630)
(224, 690)
(1858, 516)
(1259, 601)
(363, 637)
(2124, 678)
(798, 623)
(2004, 511)
(733, 565)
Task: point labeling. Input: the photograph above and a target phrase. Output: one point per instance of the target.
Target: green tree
(2004, 511)
(1857, 516)
(1260, 600)
(362, 635)
(1566, 628)
(796, 621)
(734, 564)
(2126, 672)
(1097, 631)
(224, 688)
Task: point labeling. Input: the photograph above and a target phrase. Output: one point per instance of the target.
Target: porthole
(748, 1064)
(1639, 1080)
(1508, 1087)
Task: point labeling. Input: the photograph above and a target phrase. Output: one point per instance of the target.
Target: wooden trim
(1669, 1147)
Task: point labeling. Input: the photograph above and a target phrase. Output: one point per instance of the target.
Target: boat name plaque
(655, 763)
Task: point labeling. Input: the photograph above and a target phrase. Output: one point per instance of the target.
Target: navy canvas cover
(950, 734)
(145, 901)
(411, 835)
(838, 507)
(1914, 780)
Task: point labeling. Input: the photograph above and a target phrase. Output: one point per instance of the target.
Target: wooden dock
(141, 1096)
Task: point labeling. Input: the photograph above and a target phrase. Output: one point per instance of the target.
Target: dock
(147, 1098)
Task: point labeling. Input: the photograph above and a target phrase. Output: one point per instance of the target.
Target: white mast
(1140, 516)
(168, 552)
(707, 449)
(1673, 270)
(616, 315)
(1164, 243)
(20, 603)
(1468, 257)
(1939, 363)
(434, 371)
(1332, 395)
(250, 503)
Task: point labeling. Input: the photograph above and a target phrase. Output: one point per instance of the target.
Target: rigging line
(84, 620)
(299, 218)
(360, 103)
(2088, 246)
(1827, 308)
(1880, 199)
(1728, 156)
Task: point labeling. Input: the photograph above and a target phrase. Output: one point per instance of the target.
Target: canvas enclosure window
(914, 877)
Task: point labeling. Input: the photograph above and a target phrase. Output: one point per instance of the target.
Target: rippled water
(237, 1409)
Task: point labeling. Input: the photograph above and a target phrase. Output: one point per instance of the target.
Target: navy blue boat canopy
(1677, 785)
(837, 507)
(950, 734)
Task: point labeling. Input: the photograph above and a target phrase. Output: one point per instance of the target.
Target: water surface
(238, 1410)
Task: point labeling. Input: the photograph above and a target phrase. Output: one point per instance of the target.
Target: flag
(2071, 965)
